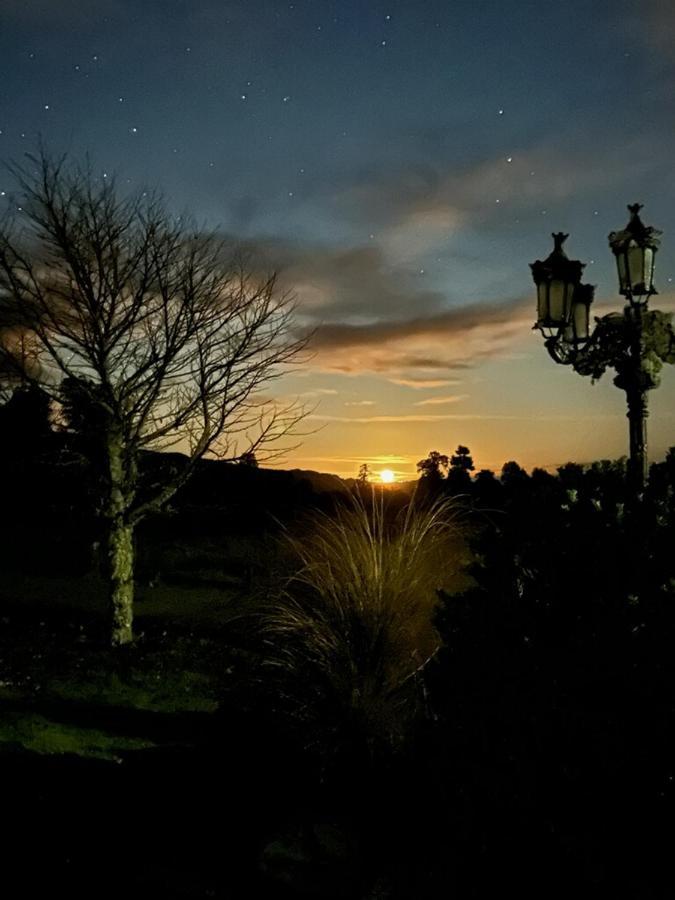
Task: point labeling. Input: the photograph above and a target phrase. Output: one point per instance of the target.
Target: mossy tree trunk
(120, 538)
(120, 551)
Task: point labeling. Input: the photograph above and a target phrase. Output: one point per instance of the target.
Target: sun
(387, 476)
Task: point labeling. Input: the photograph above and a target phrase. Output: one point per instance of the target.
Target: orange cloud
(413, 351)
(441, 401)
(420, 384)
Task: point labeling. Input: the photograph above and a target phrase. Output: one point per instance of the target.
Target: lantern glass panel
(558, 302)
(580, 321)
(648, 267)
(635, 265)
(623, 271)
(542, 301)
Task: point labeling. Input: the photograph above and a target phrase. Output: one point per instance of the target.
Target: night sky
(400, 164)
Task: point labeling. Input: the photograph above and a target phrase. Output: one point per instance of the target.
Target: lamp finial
(559, 238)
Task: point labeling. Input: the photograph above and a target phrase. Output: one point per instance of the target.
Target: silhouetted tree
(248, 459)
(461, 463)
(571, 477)
(513, 475)
(461, 459)
(364, 473)
(487, 490)
(25, 423)
(434, 467)
(159, 340)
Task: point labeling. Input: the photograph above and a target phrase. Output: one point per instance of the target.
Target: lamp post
(635, 343)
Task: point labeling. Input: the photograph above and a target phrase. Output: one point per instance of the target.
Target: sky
(399, 164)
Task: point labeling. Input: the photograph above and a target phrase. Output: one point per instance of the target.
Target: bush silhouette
(352, 631)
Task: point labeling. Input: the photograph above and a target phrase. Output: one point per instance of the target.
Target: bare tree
(168, 343)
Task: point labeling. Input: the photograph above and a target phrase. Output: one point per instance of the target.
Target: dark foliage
(555, 746)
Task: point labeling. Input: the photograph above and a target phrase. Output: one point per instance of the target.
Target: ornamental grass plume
(352, 630)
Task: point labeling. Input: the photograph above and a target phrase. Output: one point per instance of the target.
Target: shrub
(352, 630)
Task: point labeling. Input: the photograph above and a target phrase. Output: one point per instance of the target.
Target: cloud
(441, 401)
(467, 417)
(367, 316)
(319, 392)
(450, 322)
(379, 460)
(420, 351)
(422, 208)
(360, 403)
(421, 384)
(655, 20)
(334, 283)
(60, 11)
(417, 418)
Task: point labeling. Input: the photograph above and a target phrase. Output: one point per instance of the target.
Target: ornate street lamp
(634, 343)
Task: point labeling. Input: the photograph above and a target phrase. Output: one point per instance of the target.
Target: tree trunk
(121, 466)
(120, 559)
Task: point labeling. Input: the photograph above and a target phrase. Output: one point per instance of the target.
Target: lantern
(634, 249)
(557, 279)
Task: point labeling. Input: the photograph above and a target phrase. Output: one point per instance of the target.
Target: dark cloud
(59, 11)
(655, 21)
(450, 323)
(429, 203)
(368, 316)
(334, 283)
(419, 351)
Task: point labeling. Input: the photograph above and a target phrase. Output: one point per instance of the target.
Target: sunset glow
(387, 476)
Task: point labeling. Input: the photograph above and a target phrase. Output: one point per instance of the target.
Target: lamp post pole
(637, 398)
(635, 343)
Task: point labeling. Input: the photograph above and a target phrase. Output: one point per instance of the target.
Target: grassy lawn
(64, 692)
